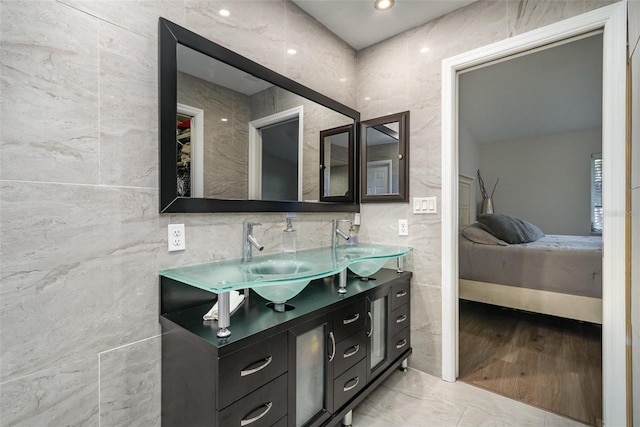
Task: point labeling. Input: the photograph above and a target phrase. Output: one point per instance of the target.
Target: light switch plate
(176, 238)
(425, 205)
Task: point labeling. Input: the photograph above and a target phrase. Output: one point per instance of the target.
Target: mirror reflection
(240, 137)
(336, 160)
(385, 151)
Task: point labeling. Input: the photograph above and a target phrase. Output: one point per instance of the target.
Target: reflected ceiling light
(424, 50)
(344, 79)
(224, 120)
(224, 12)
(383, 4)
(292, 51)
(367, 98)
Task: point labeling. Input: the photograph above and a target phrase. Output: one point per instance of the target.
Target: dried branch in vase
(483, 190)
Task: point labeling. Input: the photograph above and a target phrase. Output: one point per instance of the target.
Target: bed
(554, 274)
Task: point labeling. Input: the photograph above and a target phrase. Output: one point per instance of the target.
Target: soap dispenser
(289, 236)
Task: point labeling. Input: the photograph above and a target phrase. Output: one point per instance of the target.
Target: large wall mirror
(385, 159)
(238, 137)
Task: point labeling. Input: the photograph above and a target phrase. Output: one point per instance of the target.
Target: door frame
(255, 149)
(612, 19)
(197, 147)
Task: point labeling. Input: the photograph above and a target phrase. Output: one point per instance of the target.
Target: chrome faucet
(338, 233)
(248, 241)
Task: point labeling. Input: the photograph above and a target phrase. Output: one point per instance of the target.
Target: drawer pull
(351, 319)
(247, 421)
(371, 323)
(401, 343)
(348, 386)
(401, 294)
(401, 319)
(355, 348)
(251, 370)
(333, 346)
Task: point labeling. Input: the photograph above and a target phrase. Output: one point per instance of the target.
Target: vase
(487, 206)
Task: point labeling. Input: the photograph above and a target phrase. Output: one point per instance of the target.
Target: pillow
(510, 229)
(478, 235)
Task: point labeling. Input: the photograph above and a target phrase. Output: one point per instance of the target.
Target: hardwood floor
(546, 361)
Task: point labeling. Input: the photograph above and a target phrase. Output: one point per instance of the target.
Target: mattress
(555, 263)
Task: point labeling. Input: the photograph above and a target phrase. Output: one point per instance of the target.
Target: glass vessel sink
(365, 260)
(274, 270)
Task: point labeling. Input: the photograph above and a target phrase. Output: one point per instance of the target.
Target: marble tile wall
(404, 73)
(633, 9)
(81, 239)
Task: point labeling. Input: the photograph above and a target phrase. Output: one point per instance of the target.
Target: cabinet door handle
(355, 348)
(371, 323)
(401, 343)
(252, 370)
(247, 421)
(348, 386)
(333, 346)
(401, 319)
(401, 294)
(351, 319)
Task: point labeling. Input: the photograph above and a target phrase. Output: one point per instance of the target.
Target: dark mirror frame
(403, 156)
(352, 164)
(170, 35)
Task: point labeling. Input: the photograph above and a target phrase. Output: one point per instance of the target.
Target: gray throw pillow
(510, 229)
(477, 235)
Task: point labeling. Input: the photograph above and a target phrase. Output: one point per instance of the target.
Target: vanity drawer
(349, 319)
(399, 343)
(264, 407)
(400, 319)
(400, 294)
(247, 369)
(349, 351)
(349, 384)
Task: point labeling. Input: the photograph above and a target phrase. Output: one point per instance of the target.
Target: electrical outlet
(176, 238)
(403, 227)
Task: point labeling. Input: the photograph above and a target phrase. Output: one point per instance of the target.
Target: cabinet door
(378, 315)
(311, 351)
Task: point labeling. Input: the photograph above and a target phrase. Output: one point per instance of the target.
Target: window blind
(596, 193)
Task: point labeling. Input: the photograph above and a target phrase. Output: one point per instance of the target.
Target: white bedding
(555, 263)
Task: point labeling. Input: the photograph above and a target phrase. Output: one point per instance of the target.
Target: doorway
(276, 156)
(612, 19)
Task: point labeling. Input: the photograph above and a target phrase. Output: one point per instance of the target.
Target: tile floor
(416, 399)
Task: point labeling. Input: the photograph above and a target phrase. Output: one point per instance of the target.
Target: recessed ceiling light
(224, 12)
(344, 79)
(383, 4)
(424, 50)
(367, 98)
(292, 51)
(224, 120)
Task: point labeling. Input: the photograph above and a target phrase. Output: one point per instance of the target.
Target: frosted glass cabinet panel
(311, 373)
(378, 332)
(309, 394)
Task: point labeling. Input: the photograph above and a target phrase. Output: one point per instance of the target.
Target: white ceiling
(360, 25)
(551, 91)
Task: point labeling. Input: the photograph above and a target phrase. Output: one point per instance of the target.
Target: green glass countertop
(279, 269)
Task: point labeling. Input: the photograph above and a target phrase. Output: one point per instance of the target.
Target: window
(596, 193)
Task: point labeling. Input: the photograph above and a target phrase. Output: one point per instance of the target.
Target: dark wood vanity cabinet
(305, 367)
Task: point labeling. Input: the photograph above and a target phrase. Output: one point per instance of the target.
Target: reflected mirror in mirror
(247, 137)
(336, 163)
(385, 158)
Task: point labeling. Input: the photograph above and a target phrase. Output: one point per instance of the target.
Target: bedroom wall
(545, 180)
(634, 55)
